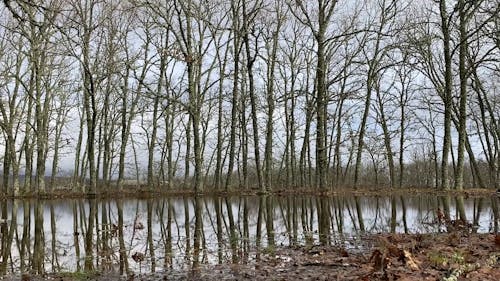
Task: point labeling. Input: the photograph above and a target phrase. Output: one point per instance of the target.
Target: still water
(141, 236)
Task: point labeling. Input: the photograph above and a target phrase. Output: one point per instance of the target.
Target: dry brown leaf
(497, 239)
(391, 249)
(377, 259)
(343, 253)
(410, 261)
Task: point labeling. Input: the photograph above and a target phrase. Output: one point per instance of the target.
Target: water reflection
(139, 236)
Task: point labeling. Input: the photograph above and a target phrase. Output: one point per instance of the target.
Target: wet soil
(458, 255)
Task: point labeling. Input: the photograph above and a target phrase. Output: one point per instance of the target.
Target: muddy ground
(458, 255)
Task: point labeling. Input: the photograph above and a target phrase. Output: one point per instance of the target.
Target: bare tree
(318, 21)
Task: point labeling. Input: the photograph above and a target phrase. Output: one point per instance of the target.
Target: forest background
(100, 94)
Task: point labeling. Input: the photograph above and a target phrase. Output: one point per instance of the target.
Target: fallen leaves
(409, 257)
(432, 256)
(377, 259)
(497, 240)
(410, 261)
(382, 258)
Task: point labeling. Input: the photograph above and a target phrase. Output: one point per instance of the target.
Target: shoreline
(148, 193)
(456, 255)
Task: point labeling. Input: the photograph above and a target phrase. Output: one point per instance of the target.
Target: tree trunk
(250, 61)
(268, 153)
(462, 116)
(235, 96)
(387, 138)
(321, 105)
(446, 95)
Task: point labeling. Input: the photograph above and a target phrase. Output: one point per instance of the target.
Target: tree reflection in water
(133, 236)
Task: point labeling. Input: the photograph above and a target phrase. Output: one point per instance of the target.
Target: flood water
(141, 236)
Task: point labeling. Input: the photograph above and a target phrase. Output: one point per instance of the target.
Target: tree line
(251, 94)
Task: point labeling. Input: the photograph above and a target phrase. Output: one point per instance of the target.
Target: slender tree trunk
(250, 61)
(106, 129)
(187, 161)
(220, 138)
(169, 128)
(268, 153)
(243, 136)
(462, 116)
(76, 166)
(338, 138)
(235, 97)
(28, 137)
(194, 113)
(89, 101)
(446, 95)
(152, 141)
(6, 167)
(361, 132)
(40, 120)
(494, 131)
(402, 129)
(387, 139)
(304, 152)
(321, 105)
